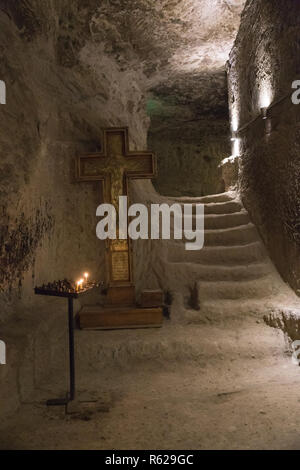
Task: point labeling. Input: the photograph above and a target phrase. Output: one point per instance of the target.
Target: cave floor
(246, 397)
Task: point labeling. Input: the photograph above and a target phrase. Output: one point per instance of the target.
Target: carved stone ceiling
(181, 46)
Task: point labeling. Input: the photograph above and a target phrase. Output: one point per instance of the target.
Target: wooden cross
(115, 166)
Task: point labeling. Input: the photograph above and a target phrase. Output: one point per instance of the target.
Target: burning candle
(79, 285)
(86, 275)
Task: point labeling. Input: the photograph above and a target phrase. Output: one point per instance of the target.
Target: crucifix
(115, 166)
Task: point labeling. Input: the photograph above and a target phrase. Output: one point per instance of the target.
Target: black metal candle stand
(65, 289)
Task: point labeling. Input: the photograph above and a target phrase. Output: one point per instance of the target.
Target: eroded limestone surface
(263, 64)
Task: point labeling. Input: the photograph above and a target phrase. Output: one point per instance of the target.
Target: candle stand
(54, 291)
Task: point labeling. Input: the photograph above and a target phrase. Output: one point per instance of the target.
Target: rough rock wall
(264, 62)
(61, 89)
(189, 158)
(190, 132)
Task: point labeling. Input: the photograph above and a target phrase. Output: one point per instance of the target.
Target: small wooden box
(152, 298)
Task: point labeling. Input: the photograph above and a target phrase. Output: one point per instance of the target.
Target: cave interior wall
(62, 88)
(264, 62)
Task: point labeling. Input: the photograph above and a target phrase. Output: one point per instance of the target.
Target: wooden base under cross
(120, 312)
(110, 318)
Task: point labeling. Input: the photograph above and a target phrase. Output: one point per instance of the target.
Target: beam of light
(266, 94)
(236, 148)
(234, 119)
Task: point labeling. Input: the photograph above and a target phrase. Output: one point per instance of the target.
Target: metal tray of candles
(67, 288)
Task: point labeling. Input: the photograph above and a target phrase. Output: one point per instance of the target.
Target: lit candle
(86, 275)
(79, 285)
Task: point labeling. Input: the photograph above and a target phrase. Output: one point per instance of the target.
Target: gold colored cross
(115, 166)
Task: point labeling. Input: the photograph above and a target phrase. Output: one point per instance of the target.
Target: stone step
(226, 255)
(254, 289)
(180, 273)
(241, 235)
(214, 198)
(233, 308)
(98, 350)
(221, 221)
(229, 207)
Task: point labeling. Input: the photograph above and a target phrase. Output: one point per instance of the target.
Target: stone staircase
(232, 274)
